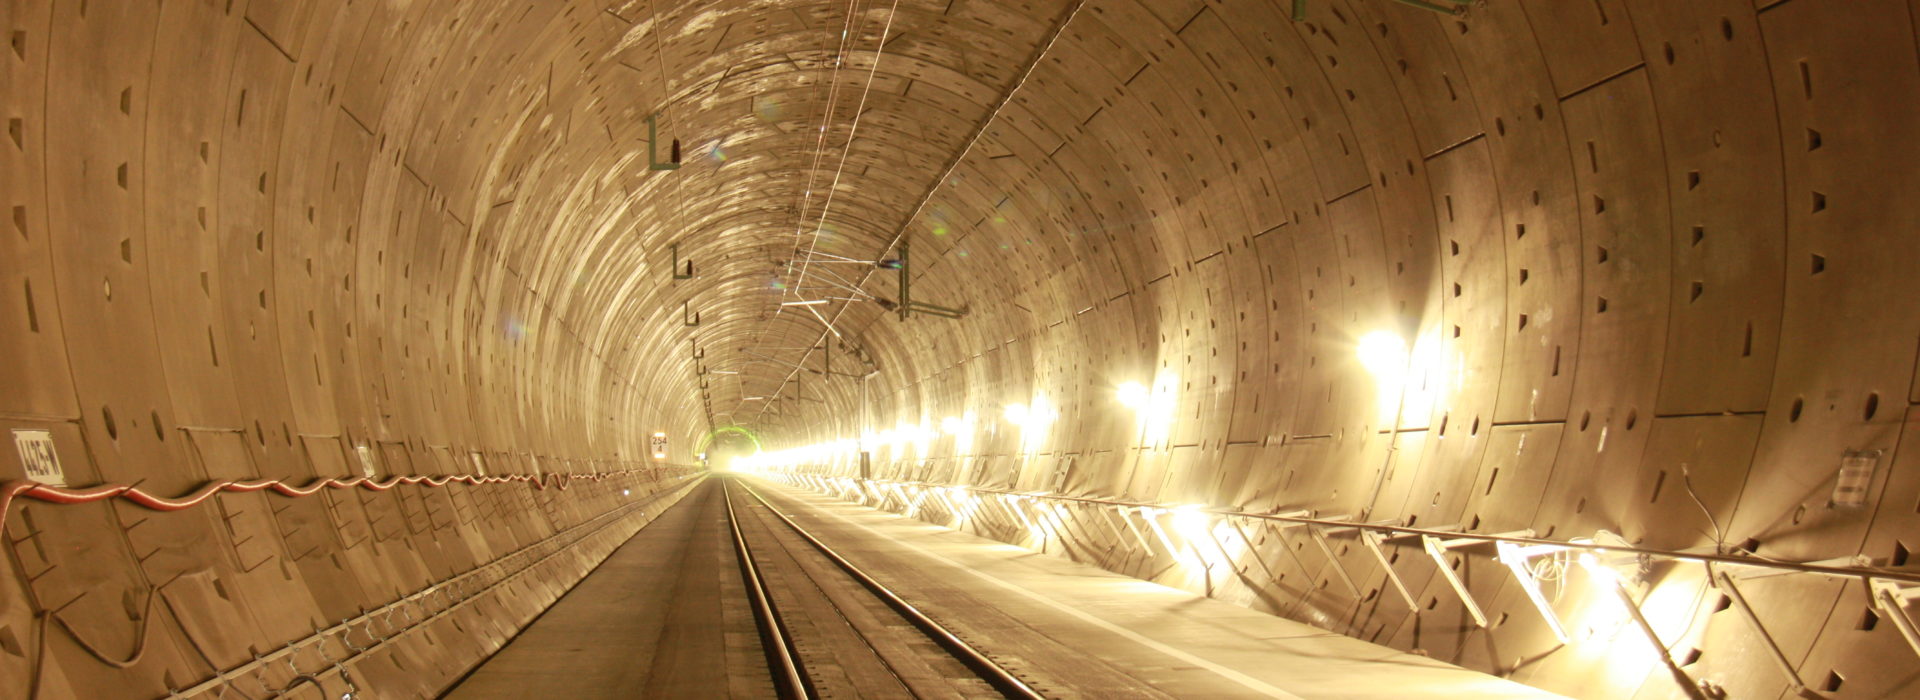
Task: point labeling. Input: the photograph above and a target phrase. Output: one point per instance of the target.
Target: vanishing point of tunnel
(357, 349)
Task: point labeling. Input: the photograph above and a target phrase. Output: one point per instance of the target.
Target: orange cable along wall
(227, 266)
(51, 673)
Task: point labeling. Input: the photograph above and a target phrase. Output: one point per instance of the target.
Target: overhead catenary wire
(832, 96)
(853, 130)
(1033, 63)
(849, 35)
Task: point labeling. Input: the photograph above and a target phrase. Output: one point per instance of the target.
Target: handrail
(1405, 531)
(1893, 590)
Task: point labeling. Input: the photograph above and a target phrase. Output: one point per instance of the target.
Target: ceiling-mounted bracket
(653, 139)
(688, 317)
(826, 357)
(677, 274)
(908, 306)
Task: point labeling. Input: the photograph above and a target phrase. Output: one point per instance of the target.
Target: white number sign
(37, 456)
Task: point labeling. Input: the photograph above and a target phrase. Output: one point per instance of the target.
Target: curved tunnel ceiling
(1613, 244)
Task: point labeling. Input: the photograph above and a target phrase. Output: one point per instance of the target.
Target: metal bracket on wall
(1437, 548)
(1334, 559)
(677, 274)
(653, 138)
(1518, 560)
(908, 306)
(1892, 598)
(1253, 549)
(688, 317)
(826, 356)
(1372, 540)
(1724, 582)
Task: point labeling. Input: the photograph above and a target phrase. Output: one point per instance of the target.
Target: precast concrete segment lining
(1655, 257)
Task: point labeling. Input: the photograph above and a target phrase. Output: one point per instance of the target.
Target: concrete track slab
(664, 616)
(1183, 644)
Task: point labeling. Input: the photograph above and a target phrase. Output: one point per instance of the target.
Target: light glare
(1383, 353)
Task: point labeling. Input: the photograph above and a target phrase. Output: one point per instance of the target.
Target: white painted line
(1250, 682)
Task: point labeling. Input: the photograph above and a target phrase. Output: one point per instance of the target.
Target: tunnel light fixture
(1190, 521)
(1519, 560)
(1033, 415)
(809, 302)
(1603, 575)
(1133, 395)
(1609, 566)
(1384, 353)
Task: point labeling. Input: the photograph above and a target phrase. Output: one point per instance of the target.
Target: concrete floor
(664, 616)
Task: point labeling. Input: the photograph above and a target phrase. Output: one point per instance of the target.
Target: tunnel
(959, 348)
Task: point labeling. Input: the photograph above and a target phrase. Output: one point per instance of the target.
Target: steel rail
(996, 675)
(790, 678)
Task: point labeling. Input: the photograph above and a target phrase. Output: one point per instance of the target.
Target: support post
(1372, 540)
(1334, 559)
(1517, 559)
(1438, 550)
(1779, 658)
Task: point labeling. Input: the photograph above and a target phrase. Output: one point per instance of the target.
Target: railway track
(831, 630)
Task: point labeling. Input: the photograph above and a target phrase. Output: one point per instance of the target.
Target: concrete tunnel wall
(1622, 239)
